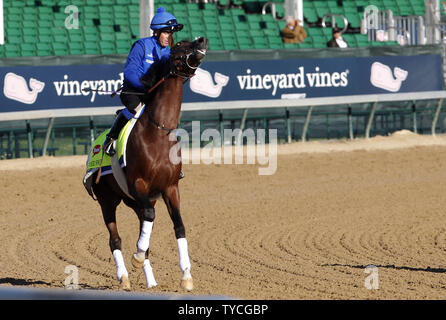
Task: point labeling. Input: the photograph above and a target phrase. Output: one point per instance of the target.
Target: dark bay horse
(150, 173)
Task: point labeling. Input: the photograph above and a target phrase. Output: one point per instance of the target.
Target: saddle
(97, 159)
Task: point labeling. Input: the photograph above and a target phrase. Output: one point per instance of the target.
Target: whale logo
(381, 76)
(16, 88)
(203, 83)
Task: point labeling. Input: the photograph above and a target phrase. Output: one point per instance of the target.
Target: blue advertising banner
(57, 87)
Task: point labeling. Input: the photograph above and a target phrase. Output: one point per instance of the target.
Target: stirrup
(181, 175)
(108, 146)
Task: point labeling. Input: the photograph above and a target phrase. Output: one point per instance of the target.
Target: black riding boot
(113, 135)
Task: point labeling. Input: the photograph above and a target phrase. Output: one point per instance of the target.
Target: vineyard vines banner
(81, 86)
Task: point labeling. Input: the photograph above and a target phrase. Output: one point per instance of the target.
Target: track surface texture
(306, 232)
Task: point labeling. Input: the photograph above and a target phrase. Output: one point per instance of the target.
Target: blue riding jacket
(143, 54)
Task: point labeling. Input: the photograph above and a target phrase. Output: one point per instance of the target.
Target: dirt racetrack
(306, 232)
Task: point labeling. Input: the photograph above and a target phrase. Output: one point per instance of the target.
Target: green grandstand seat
(14, 11)
(30, 39)
(319, 40)
(60, 49)
(291, 45)
(27, 49)
(227, 33)
(75, 48)
(327, 32)
(14, 39)
(217, 46)
(90, 37)
(275, 45)
(259, 43)
(12, 24)
(350, 10)
(122, 36)
(269, 32)
(406, 11)
(44, 31)
(45, 23)
(78, 3)
(123, 47)
(256, 33)
(12, 50)
(43, 47)
(419, 10)
(107, 37)
(13, 32)
(228, 39)
(268, 18)
(350, 39)
(314, 31)
(212, 35)
(178, 7)
(211, 26)
(91, 47)
(75, 36)
(353, 19)
(107, 47)
(253, 17)
(135, 30)
(45, 38)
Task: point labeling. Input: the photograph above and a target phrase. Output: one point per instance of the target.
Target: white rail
(245, 105)
(238, 104)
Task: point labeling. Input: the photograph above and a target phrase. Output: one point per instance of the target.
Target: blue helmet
(165, 21)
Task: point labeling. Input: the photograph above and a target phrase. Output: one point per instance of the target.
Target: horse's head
(187, 56)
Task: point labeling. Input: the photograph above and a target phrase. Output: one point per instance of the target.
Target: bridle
(173, 72)
(184, 59)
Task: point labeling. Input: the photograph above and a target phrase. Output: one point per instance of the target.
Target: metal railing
(306, 107)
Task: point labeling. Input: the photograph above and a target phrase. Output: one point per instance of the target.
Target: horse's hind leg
(108, 207)
(172, 199)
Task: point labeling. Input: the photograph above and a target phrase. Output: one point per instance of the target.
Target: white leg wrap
(148, 273)
(120, 266)
(144, 238)
(183, 253)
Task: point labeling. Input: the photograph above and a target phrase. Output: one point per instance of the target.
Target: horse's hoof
(137, 260)
(124, 283)
(187, 284)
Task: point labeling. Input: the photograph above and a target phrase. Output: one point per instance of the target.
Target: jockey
(143, 54)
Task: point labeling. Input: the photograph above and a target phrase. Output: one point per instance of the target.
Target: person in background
(293, 31)
(337, 41)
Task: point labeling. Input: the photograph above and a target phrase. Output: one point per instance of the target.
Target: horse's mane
(158, 70)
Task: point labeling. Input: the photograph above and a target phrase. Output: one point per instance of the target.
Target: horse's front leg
(140, 258)
(172, 199)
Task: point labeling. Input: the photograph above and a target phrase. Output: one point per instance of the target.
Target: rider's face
(164, 38)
